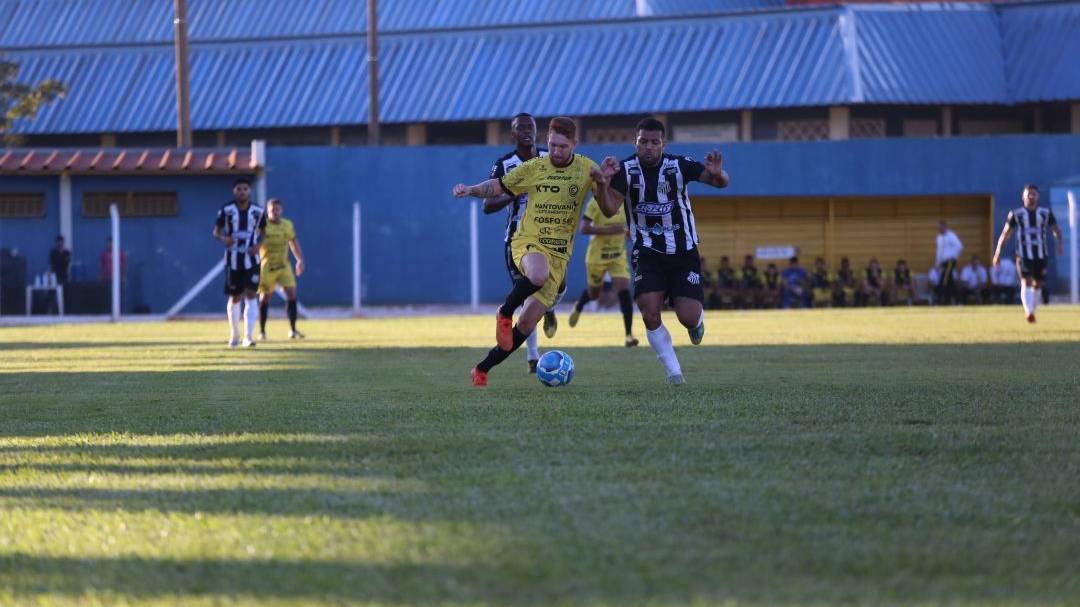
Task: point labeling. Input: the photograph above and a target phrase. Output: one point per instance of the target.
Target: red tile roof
(119, 160)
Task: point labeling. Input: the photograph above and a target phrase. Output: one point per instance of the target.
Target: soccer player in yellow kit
(606, 255)
(278, 239)
(558, 185)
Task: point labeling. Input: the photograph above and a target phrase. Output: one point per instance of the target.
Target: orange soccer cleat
(479, 378)
(1031, 317)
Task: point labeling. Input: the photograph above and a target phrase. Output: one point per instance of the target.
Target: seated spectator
(821, 284)
(795, 285)
(708, 282)
(974, 281)
(725, 285)
(749, 284)
(902, 289)
(772, 285)
(873, 285)
(1004, 282)
(846, 284)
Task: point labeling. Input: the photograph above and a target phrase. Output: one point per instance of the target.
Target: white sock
(251, 315)
(701, 319)
(1036, 297)
(660, 340)
(1025, 297)
(531, 351)
(232, 310)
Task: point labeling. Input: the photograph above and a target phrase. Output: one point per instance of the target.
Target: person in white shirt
(974, 280)
(949, 248)
(1004, 281)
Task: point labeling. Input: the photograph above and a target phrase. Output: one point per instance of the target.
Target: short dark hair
(563, 126)
(274, 201)
(59, 236)
(1031, 186)
(651, 124)
(522, 115)
(240, 180)
(794, 259)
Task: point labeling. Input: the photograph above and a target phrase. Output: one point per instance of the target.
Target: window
(22, 204)
(867, 128)
(132, 204)
(802, 130)
(706, 133)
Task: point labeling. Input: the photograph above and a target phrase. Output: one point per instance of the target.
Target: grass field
(914, 456)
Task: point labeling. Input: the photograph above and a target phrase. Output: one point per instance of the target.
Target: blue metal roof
(35, 23)
(929, 54)
(819, 57)
(1042, 51)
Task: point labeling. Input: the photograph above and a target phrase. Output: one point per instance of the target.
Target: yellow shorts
(548, 293)
(272, 276)
(823, 295)
(616, 268)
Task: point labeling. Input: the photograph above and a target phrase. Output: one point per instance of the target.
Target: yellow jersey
(556, 196)
(605, 247)
(274, 246)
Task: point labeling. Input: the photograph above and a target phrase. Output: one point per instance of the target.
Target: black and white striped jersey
(657, 205)
(1030, 226)
(516, 209)
(244, 226)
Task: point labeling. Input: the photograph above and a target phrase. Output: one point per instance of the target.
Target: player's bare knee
(651, 319)
(538, 277)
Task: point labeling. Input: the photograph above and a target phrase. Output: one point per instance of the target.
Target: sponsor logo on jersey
(653, 208)
(663, 188)
(659, 230)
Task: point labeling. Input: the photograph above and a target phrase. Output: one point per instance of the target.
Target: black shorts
(677, 275)
(1033, 269)
(511, 269)
(238, 281)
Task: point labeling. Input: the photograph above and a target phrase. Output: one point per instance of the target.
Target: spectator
(795, 285)
(821, 284)
(771, 287)
(1004, 281)
(708, 282)
(724, 288)
(873, 285)
(846, 283)
(60, 261)
(902, 289)
(949, 248)
(106, 262)
(974, 281)
(749, 284)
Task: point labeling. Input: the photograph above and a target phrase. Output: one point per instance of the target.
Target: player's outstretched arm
(294, 246)
(601, 176)
(714, 173)
(485, 189)
(496, 203)
(1006, 232)
(223, 238)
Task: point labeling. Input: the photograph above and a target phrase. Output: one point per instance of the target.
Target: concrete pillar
(494, 133)
(108, 140)
(221, 139)
(839, 122)
(946, 121)
(335, 135)
(66, 212)
(416, 134)
(1074, 111)
(746, 125)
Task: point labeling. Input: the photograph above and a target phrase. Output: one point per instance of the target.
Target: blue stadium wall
(416, 236)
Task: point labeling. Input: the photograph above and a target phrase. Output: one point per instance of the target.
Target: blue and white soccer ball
(555, 369)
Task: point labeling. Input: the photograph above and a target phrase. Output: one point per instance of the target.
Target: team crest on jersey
(693, 278)
(574, 191)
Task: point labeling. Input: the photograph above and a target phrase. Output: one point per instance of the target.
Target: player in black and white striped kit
(523, 133)
(1030, 223)
(661, 220)
(239, 225)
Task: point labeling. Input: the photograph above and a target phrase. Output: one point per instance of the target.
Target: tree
(19, 100)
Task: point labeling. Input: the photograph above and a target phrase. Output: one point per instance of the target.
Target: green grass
(877, 456)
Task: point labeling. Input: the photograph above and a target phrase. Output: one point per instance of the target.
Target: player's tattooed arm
(608, 201)
(496, 203)
(714, 173)
(486, 189)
